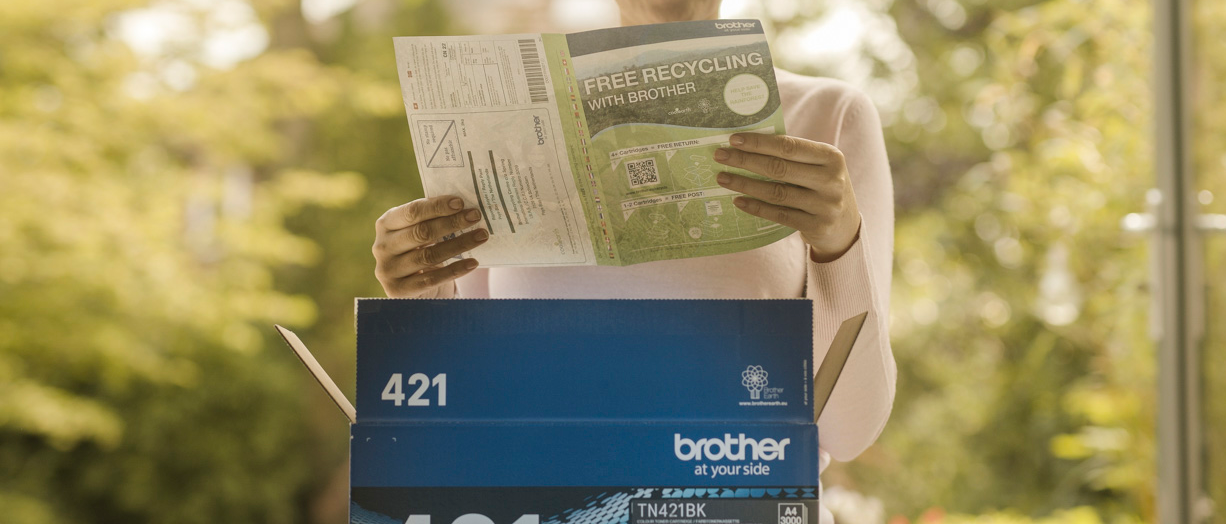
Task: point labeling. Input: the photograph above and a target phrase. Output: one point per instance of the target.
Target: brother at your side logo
(731, 448)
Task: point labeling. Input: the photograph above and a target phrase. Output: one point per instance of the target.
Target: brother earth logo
(755, 379)
(735, 25)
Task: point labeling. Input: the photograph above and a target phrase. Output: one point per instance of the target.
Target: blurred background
(177, 175)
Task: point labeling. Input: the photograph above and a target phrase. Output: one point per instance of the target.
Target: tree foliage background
(160, 210)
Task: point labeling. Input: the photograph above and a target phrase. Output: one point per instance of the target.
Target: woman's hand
(408, 254)
(809, 189)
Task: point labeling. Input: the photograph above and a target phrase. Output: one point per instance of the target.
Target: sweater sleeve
(473, 285)
(859, 281)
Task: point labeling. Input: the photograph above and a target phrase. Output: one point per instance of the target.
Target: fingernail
(481, 234)
(456, 204)
(738, 203)
(472, 216)
(723, 178)
(721, 154)
(470, 264)
(736, 140)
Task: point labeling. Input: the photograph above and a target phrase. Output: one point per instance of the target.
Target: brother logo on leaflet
(729, 448)
(540, 130)
(735, 25)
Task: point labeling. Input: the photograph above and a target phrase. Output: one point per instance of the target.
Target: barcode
(642, 172)
(533, 71)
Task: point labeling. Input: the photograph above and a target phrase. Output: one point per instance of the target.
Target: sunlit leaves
(144, 222)
(1019, 310)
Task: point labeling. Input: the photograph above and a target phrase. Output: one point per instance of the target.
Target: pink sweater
(819, 109)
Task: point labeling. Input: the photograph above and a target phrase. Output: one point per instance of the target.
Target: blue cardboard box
(584, 412)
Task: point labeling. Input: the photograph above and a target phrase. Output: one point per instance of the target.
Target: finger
(440, 252)
(777, 193)
(797, 173)
(403, 265)
(417, 283)
(419, 210)
(787, 147)
(423, 233)
(793, 218)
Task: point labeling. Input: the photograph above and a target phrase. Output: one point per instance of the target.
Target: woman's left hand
(809, 189)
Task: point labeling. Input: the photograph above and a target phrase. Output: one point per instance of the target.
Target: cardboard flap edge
(317, 371)
(836, 358)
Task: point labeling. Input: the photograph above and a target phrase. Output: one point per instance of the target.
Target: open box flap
(318, 372)
(426, 360)
(836, 358)
(823, 381)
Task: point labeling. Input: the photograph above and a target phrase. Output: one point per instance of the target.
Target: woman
(829, 179)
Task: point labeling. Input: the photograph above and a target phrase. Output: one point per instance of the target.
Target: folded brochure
(593, 148)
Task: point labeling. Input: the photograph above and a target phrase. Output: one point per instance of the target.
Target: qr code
(642, 172)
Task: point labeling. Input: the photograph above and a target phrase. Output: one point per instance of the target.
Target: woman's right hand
(408, 253)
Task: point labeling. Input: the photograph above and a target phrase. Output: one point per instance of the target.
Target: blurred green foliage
(150, 237)
(1020, 314)
(153, 228)
(1021, 311)
(1209, 162)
